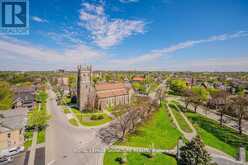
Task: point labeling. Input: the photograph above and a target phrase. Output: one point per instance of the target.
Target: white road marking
(51, 162)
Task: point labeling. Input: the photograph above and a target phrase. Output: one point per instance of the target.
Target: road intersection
(66, 144)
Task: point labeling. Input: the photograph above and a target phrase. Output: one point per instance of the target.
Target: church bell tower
(83, 87)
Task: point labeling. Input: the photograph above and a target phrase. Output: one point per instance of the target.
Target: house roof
(13, 119)
(25, 94)
(138, 78)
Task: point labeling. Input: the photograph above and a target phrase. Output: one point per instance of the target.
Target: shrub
(96, 117)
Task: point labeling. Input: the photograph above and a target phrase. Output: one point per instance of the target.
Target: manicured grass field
(139, 159)
(66, 110)
(28, 135)
(73, 121)
(84, 118)
(41, 136)
(222, 138)
(181, 121)
(159, 131)
(27, 144)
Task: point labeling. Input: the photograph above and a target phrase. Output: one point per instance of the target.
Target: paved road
(65, 144)
(229, 121)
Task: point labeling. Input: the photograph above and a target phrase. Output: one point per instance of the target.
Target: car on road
(5, 160)
(12, 151)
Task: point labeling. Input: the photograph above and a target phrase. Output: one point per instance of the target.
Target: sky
(167, 35)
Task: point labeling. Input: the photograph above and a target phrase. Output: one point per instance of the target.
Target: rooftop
(13, 119)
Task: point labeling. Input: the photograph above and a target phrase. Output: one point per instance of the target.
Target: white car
(13, 151)
(5, 160)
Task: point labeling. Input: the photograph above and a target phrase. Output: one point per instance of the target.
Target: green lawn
(84, 118)
(159, 130)
(41, 136)
(28, 134)
(73, 121)
(222, 138)
(66, 111)
(27, 144)
(181, 121)
(139, 159)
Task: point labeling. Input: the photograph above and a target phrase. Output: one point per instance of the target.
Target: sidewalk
(31, 159)
(230, 122)
(33, 148)
(188, 136)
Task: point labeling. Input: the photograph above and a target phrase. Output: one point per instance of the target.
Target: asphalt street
(69, 145)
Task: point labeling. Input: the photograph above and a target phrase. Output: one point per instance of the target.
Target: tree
(188, 96)
(6, 96)
(220, 100)
(38, 119)
(194, 153)
(124, 123)
(60, 94)
(71, 83)
(240, 104)
(200, 96)
(178, 86)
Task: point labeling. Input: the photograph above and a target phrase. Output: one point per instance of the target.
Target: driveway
(69, 145)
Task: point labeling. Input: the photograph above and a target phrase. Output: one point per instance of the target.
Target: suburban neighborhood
(123, 82)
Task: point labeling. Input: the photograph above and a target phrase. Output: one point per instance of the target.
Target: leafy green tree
(38, 119)
(220, 99)
(200, 96)
(240, 104)
(194, 153)
(71, 83)
(6, 96)
(139, 87)
(178, 86)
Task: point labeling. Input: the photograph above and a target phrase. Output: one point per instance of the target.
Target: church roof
(112, 93)
(104, 90)
(109, 86)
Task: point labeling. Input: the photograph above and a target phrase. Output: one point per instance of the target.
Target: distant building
(63, 81)
(12, 124)
(24, 97)
(99, 95)
(138, 79)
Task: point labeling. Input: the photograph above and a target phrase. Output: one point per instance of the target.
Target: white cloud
(155, 55)
(21, 55)
(39, 19)
(17, 52)
(107, 32)
(128, 1)
(65, 37)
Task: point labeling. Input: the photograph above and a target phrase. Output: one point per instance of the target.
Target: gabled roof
(109, 86)
(138, 78)
(104, 90)
(13, 119)
(111, 93)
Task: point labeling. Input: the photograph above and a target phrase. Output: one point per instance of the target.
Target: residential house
(12, 125)
(24, 97)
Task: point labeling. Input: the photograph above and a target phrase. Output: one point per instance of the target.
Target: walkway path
(210, 114)
(215, 153)
(33, 147)
(140, 149)
(188, 136)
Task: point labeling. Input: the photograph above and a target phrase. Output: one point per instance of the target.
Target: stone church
(100, 95)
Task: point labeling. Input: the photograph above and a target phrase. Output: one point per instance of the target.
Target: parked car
(13, 151)
(5, 160)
